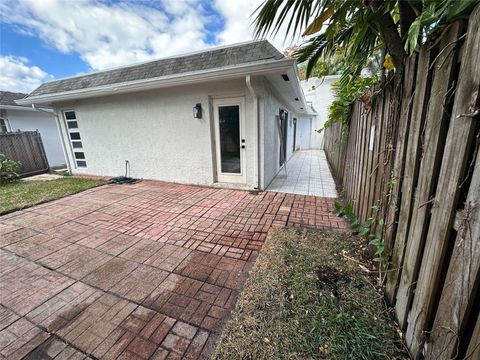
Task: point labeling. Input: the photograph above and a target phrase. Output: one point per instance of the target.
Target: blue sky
(41, 40)
(42, 55)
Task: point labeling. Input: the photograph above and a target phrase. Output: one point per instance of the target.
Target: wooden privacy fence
(411, 158)
(26, 147)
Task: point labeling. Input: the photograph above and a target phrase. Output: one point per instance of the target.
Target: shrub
(347, 90)
(9, 169)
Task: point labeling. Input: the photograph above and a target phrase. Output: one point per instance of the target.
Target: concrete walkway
(307, 174)
(43, 177)
(149, 270)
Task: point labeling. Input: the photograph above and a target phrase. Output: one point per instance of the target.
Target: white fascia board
(163, 82)
(23, 108)
(299, 89)
(295, 84)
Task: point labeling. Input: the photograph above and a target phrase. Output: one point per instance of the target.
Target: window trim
(69, 131)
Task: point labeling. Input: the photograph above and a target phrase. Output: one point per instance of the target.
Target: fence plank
(391, 135)
(378, 107)
(363, 205)
(463, 277)
(359, 155)
(348, 181)
(390, 123)
(341, 145)
(459, 139)
(394, 198)
(343, 136)
(353, 191)
(473, 351)
(344, 139)
(371, 158)
(436, 124)
(410, 171)
(378, 176)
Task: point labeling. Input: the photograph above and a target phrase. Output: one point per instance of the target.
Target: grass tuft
(22, 194)
(303, 300)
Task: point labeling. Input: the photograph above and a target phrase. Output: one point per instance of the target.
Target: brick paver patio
(149, 270)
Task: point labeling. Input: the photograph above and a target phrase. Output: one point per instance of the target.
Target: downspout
(257, 167)
(62, 140)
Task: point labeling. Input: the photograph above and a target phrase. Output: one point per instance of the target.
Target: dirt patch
(332, 279)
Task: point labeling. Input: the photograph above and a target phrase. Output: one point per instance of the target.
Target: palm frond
(274, 13)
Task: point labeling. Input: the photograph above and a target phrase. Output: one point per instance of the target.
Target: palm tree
(358, 28)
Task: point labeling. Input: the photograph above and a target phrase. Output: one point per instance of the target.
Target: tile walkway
(143, 271)
(307, 174)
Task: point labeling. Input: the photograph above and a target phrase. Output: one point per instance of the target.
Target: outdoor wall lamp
(197, 111)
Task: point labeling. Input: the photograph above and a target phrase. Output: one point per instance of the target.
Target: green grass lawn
(304, 300)
(22, 194)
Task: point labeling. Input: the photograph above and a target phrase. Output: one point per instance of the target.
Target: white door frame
(240, 178)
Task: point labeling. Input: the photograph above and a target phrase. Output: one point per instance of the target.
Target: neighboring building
(210, 118)
(319, 94)
(14, 117)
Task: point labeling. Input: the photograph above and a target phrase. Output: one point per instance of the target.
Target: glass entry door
(230, 142)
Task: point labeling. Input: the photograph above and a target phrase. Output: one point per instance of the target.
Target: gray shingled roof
(8, 97)
(201, 61)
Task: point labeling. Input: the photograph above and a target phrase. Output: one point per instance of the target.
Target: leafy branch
(357, 28)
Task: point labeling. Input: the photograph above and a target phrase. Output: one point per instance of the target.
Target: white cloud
(17, 75)
(239, 18)
(107, 35)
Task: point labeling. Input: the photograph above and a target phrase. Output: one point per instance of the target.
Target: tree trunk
(407, 17)
(390, 35)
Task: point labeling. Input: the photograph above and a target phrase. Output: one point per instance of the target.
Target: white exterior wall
(271, 104)
(29, 120)
(156, 132)
(304, 133)
(318, 91)
(290, 134)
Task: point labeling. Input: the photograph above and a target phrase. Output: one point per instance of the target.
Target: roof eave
(21, 107)
(262, 67)
(301, 94)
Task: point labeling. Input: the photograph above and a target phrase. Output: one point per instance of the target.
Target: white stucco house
(220, 117)
(319, 95)
(14, 117)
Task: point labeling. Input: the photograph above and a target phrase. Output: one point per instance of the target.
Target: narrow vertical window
(3, 126)
(75, 138)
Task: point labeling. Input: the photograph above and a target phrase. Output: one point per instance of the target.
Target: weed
(371, 231)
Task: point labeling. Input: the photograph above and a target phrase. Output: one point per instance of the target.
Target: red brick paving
(143, 271)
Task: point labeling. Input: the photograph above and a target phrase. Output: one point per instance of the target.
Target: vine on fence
(372, 229)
